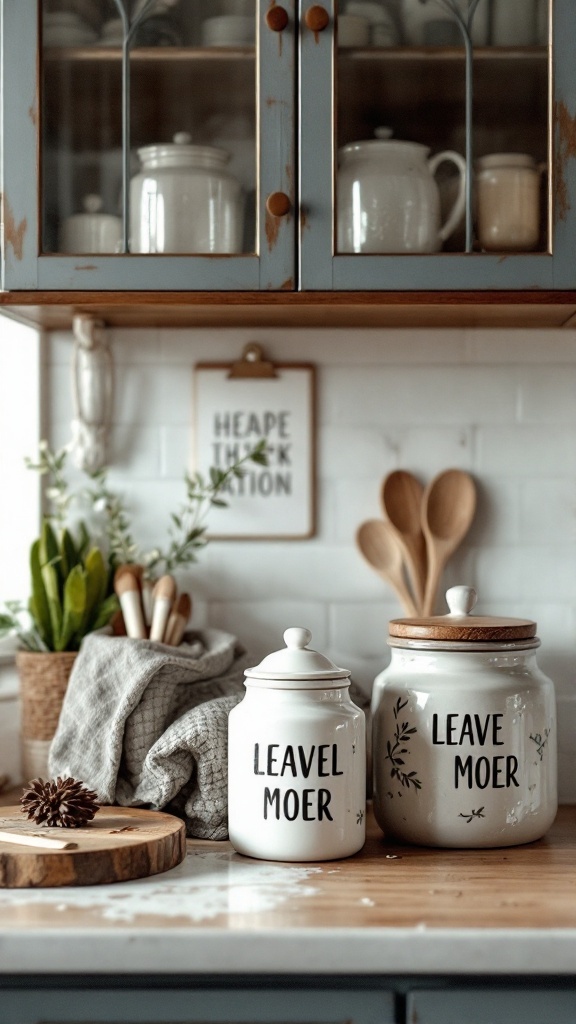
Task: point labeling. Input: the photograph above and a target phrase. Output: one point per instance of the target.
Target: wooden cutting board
(118, 844)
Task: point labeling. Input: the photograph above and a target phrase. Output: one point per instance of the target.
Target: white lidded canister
(184, 200)
(297, 759)
(464, 731)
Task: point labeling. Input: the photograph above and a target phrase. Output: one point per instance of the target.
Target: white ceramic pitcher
(388, 199)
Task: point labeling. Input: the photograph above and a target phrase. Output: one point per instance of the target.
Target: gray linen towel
(144, 723)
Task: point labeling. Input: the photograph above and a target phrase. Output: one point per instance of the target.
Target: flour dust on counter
(206, 885)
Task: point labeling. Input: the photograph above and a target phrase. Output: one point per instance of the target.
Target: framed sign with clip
(238, 404)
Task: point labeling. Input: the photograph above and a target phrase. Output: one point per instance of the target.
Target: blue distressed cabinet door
(209, 146)
(384, 94)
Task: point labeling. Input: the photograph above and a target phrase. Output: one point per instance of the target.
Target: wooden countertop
(386, 909)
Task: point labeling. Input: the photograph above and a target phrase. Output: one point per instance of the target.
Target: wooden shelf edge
(54, 310)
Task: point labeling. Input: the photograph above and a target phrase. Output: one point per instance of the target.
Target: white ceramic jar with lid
(464, 731)
(92, 230)
(508, 202)
(297, 759)
(185, 201)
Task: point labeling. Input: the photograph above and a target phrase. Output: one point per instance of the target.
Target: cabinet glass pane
(404, 99)
(190, 131)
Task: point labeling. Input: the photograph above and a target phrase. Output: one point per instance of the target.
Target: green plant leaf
(70, 555)
(51, 582)
(96, 586)
(74, 607)
(83, 540)
(50, 557)
(7, 625)
(105, 612)
(38, 604)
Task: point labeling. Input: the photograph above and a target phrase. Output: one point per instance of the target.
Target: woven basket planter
(43, 679)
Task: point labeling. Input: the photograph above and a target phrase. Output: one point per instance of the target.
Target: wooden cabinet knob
(278, 204)
(317, 18)
(277, 18)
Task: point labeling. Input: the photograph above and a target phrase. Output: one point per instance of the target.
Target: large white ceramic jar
(464, 732)
(388, 199)
(297, 759)
(184, 200)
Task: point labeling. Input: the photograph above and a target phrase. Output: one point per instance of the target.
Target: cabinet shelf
(146, 54)
(527, 309)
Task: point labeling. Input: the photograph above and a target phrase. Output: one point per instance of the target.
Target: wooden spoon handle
(436, 565)
(415, 557)
(402, 593)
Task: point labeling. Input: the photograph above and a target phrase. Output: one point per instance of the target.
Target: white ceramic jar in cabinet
(464, 732)
(297, 759)
(185, 201)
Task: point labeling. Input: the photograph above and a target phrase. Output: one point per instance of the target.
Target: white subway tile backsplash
(361, 628)
(427, 450)
(355, 501)
(420, 395)
(535, 573)
(498, 403)
(339, 346)
(133, 346)
(547, 511)
(261, 624)
(135, 449)
(567, 751)
(176, 451)
(520, 346)
(58, 389)
(548, 395)
(139, 396)
(291, 571)
(350, 452)
(497, 517)
(526, 451)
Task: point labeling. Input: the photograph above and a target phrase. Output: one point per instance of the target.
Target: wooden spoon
(380, 548)
(448, 508)
(401, 498)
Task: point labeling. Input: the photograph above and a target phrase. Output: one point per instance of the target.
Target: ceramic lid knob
(297, 661)
(461, 600)
(92, 203)
(297, 636)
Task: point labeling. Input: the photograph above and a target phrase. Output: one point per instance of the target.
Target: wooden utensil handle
(33, 840)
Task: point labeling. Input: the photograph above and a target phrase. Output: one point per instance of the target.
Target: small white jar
(464, 732)
(297, 759)
(508, 202)
(91, 231)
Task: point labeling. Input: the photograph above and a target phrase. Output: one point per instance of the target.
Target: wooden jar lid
(460, 625)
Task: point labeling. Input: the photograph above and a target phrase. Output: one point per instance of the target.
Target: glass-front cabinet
(250, 145)
(151, 145)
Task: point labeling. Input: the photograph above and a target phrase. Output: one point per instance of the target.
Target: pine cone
(66, 803)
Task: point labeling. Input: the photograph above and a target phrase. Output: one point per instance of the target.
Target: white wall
(19, 505)
(501, 404)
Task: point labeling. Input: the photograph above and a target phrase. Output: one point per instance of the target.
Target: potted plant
(72, 570)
